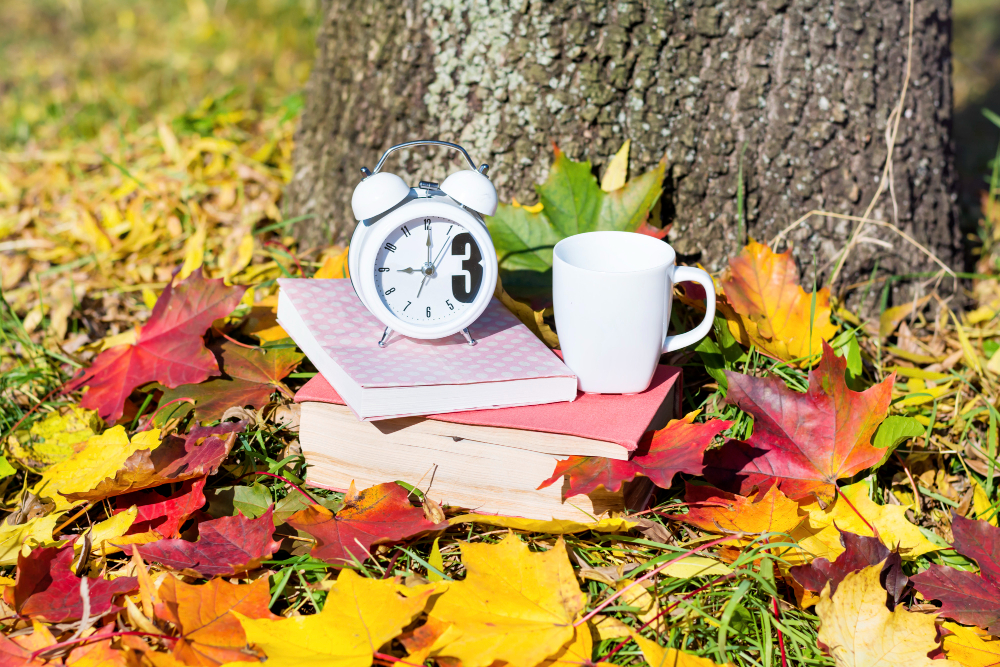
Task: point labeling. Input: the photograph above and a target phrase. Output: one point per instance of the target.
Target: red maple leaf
(47, 589)
(382, 513)
(225, 546)
(859, 552)
(250, 376)
(677, 447)
(177, 459)
(969, 598)
(163, 514)
(168, 349)
(804, 442)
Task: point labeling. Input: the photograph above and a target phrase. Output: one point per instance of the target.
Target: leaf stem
(312, 501)
(392, 659)
(781, 636)
(851, 505)
(94, 638)
(649, 574)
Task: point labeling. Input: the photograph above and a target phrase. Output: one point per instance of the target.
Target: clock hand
(437, 260)
(421, 286)
(428, 245)
(408, 270)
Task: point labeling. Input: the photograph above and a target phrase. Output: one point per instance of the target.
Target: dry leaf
(858, 630)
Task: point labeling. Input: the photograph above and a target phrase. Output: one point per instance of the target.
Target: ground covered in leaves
(829, 498)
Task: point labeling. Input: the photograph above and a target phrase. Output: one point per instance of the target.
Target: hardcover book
(507, 366)
(490, 461)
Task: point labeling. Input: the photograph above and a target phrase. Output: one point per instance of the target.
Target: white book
(508, 366)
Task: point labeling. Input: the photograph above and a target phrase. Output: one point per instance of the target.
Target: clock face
(429, 270)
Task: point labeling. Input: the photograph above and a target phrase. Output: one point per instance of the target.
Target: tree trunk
(802, 89)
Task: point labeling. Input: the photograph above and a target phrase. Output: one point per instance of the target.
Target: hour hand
(409, 270)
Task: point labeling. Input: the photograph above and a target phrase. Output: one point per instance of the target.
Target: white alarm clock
(421, 259)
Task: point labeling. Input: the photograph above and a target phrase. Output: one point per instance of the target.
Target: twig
(862, 220)
(70, 520)
(649, 574)
(887, 169)
(667, 610)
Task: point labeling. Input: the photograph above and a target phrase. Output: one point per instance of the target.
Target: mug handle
(683, 274)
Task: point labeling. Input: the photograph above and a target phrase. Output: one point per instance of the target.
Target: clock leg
(468, 336)
(385, 337)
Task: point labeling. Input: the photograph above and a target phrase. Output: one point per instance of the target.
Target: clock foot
(468, 336)
(385, 337)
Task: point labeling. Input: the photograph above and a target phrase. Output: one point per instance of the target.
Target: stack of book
(478, 427)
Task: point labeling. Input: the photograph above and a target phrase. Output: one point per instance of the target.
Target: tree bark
(802, 89)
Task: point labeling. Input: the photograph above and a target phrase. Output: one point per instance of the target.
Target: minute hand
(437, 260)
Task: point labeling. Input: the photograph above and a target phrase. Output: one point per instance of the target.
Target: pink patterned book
(508, 366)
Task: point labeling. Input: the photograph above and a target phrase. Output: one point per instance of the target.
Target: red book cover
(618, 418)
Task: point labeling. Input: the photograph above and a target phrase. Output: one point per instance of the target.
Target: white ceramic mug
(612, 293)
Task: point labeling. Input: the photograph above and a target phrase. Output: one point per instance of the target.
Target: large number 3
(465, 288)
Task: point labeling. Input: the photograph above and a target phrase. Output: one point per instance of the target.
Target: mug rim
(671, 253)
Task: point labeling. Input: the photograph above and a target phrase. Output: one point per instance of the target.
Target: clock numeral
(384, 269)
(390, 247)
(407, 305)
(452, 307)
(406, 232)
(465, 288)
(427, 224)
(390, 291)
(428, 311)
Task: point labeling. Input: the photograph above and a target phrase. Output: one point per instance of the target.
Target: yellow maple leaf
(359, 615)
(657, 656)
(858, 630)
(513, 605)
(101, 457)
(765, 305)
(35, 532)
(262, 321)
(617, 170)
(970, 648)
(53, 438)
(335, 265)
(111, 528)
(819, 534)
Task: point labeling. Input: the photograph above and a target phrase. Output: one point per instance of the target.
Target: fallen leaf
(552, 527)
(858, 630)
(657, 656)
(717, 511)
(101, 457)
(175, 459)
(262, 321)
(98, 653)
(804, 442)
(53, 438)
(169, 348)
(358, 617)
(513, 605)
(765, 305)
(250, 377)
(859, 552)
(965, 596)
(210, 634)
(335, 265)
(17, 652)
(678, 447)
(893, 431)
(891, 317)
(382, 513)
(47, 588)
(22, 537)
(617, 170)
(968, 648)
(163, 514)
(819, 534)
(112, 528)
(225, 546)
